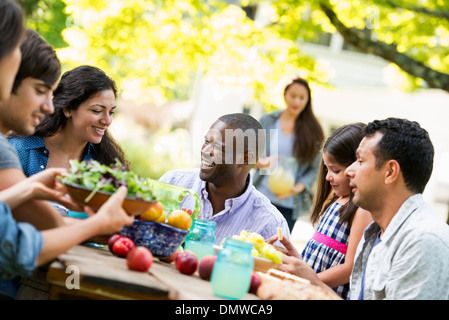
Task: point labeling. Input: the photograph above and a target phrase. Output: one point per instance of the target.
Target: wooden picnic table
(105, 276)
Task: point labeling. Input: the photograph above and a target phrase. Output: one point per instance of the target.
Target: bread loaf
(279, 285)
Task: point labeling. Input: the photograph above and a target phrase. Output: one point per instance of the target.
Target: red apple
(139, 259)
(122, 246)
(112, 240)
(256, 280)
(186, 262)
(206, 265)
(169, 259)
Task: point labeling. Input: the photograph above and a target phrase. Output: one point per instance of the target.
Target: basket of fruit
(162, 236)
(164, 226)
(90, 183)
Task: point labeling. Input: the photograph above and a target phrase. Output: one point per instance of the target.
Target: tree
(155, 49)
(48, 18)
(413, 37)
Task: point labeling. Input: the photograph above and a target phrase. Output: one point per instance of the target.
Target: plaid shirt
(322, 255)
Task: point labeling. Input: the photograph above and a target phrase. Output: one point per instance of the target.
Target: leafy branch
(389, 52)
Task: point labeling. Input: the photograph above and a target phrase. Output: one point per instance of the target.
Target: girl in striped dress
(332, 248)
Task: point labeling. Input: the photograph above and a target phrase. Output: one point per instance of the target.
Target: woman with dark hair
(12, 31)
(298, 141)
(84, 103)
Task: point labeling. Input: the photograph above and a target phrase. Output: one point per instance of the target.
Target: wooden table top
(105, 276)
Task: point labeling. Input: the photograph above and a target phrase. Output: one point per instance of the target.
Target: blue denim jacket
(307, 173)
(34, 155)
(20, 245)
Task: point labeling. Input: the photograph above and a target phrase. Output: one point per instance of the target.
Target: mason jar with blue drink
(201, 238)
(231, 275)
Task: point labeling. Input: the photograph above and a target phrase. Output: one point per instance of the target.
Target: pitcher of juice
(174, 197)
(282, 179)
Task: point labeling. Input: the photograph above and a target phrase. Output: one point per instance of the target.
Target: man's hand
(45, 185)
(112, 216)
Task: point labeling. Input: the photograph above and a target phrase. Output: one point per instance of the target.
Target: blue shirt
(249, 211)
(33, 153)
(20, 245)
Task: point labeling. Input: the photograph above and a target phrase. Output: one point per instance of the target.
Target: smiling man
(30, 101)
(223, 181)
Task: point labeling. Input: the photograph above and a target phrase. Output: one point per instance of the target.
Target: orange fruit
(180, 219)
(155, 213)
(161, 218)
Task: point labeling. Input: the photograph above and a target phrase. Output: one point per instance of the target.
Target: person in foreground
(403, 253)
(22, 246)
(224, 183)
(28, 103)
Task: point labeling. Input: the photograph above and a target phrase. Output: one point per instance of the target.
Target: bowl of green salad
(90, 183)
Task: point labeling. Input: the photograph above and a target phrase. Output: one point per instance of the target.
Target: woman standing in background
(299, 140)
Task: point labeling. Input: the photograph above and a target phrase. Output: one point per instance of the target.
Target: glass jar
(201, 238)
(231, 275)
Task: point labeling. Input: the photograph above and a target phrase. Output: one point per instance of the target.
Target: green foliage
(155, 49)
(48, 18)
(420, 31)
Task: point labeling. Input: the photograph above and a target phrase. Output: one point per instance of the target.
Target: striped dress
(328, 246)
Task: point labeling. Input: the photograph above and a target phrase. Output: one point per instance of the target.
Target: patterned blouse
(328, 246)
